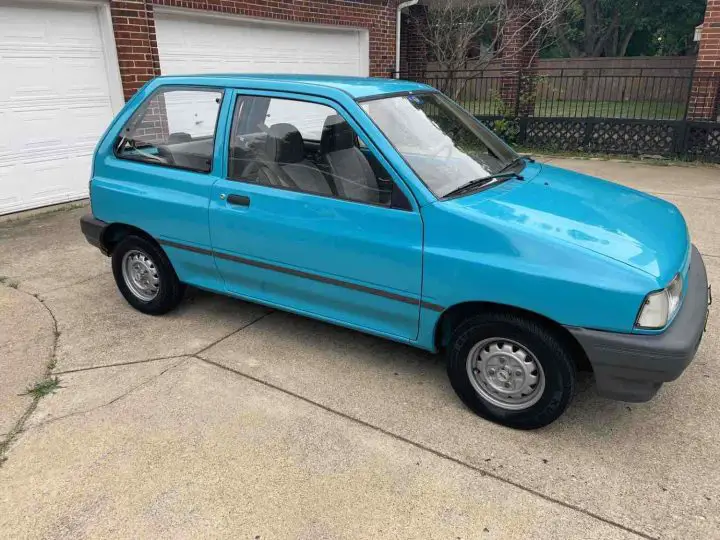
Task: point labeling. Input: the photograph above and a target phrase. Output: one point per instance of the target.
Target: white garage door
(208, 44)
(55, 100)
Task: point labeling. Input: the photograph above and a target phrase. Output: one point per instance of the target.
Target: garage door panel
(10, 194)
(217, 45)
(49, 189)
(54, 102)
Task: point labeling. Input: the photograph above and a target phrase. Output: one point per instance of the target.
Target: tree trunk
(602, 43)
(611, 49)
(589, 27)
(626, 41)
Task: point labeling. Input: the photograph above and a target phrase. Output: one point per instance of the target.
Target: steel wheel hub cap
(505, 373)
(140, 275)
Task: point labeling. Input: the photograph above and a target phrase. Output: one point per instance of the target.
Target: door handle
(239, 200)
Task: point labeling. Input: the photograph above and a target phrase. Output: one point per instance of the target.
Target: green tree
(616, 27)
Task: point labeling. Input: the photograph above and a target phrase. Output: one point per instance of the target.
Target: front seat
(285, 154)
(349, 168)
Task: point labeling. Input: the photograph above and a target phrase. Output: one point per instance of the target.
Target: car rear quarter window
(173, 128)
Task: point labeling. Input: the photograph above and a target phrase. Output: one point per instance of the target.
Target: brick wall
(705, 97)
(134, 28)
(413, 49)
(519, 51)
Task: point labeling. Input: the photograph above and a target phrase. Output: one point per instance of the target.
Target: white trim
(107, 34)
(112, 64)
(364, 38)
(398, 27)
(362, 32)
(190, 12)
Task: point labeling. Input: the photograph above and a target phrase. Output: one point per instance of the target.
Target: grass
(583, 109)
(43, 388)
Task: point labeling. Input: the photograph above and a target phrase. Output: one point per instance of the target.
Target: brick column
(519, 52)
(413, 49)
(705, 96)
(134, 29)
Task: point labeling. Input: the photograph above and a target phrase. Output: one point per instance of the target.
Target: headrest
(285, 144)
(336, 135)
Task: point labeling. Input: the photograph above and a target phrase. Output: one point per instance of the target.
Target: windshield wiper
(518, 160)
(484, 181)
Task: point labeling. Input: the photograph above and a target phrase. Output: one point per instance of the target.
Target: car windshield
(445, 146)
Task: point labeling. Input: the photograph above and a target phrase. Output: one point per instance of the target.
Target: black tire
(549, 351)
(170, 290)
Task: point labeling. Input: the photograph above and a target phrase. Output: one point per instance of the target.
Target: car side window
(308, 147)
(174, 127)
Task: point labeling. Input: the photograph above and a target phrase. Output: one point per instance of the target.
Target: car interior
(278, 155)
(335, 165)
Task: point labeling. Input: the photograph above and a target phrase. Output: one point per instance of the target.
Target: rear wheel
(511, 370)
(145, 276)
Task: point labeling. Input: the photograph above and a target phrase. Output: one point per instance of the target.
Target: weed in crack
(43, 388)
(39, 390)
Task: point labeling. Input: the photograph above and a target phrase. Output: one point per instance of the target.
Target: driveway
(225, 418)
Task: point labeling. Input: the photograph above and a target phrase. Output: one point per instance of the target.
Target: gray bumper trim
(93, 229)
(632, 367)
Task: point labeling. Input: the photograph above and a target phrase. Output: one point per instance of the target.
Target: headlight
(659, 307)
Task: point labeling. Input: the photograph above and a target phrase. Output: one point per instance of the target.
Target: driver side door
(308, 248)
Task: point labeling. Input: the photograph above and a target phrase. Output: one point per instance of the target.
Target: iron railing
(665, 111)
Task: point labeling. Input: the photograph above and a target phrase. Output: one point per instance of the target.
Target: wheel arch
(454, 315)
(115, 232)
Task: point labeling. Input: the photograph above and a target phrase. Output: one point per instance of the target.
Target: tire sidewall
(168, 290)
(557, 367)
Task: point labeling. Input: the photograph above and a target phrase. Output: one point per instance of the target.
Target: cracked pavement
(225, 418)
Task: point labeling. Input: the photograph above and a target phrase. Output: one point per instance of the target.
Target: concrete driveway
(227, 419)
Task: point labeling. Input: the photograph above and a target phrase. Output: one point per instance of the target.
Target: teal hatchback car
(383, 206)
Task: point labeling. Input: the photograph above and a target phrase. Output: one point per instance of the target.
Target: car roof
(356, 87)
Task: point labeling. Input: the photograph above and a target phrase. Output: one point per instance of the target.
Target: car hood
(629, 226)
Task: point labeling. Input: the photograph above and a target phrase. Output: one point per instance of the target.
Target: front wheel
(511, 370)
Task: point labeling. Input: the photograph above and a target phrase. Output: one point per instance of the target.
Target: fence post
(588, 133)
(518, 85)
(522, 129)
(689, 93)
(681, 143)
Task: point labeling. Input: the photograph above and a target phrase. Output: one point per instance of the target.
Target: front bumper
(633, 367)
(93, 230)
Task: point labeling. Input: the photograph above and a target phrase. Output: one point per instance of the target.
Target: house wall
(134, 28)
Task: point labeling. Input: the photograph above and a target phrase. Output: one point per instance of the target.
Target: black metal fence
(666, 112)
